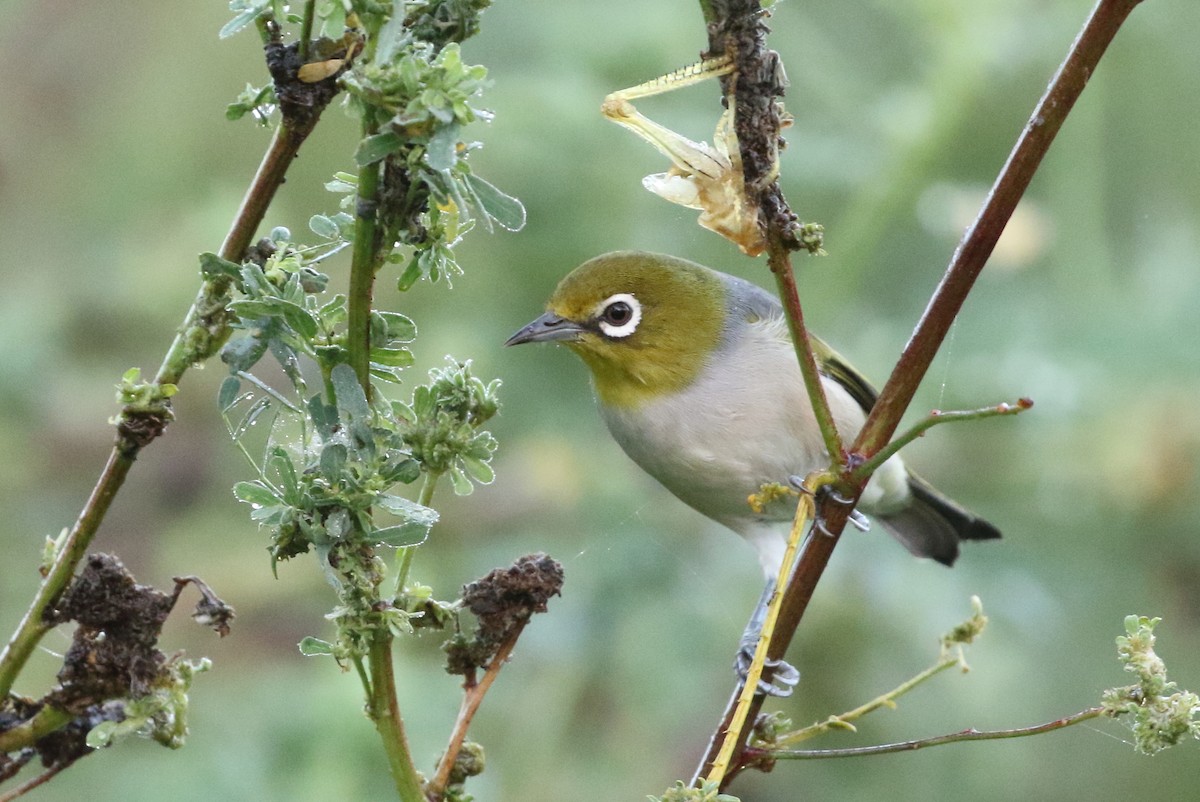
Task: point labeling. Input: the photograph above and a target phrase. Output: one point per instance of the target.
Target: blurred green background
(117, 167)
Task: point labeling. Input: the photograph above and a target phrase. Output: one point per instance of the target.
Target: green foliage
(258, 101)
(160, 714)
(443, 421)
(136, 395)
(1161, 715)
(707, 792)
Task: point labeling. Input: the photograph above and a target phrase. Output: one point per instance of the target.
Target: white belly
(740, 425)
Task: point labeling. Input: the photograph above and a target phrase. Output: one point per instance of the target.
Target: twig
(732, 737)
(863, 471)
(967, 262)
(44, 722)
(24, 788)
(384, 710)
(780, 262)
(362, 271)
(843, 720)
(756, 755)
(181, 355)
(472, 698)
(977, 243)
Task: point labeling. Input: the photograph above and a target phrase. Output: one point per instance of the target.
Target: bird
(697, 380)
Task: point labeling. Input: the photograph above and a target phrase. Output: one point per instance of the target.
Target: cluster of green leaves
(336, 484)
(281, 311)
(681, 792)
(418, 98)
(160, 714)
(334, 459)
(443, 425)
(1161, 715)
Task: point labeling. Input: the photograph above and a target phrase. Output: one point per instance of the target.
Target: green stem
(34, 624)
(756, 755)
(306, 26)
(424, 499)
(863, 471)
(44, 722)
(780, 263)
(362, 273)
(384, 710)
(885, 700)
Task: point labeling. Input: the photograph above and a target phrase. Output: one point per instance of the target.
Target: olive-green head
(645, 323)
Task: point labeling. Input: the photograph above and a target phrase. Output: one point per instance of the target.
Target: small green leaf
(282, 464)
(242, 20)
(323, 226)
(507, 211)
(400, 469)
(342, 183)
(243, 353)
(212, 266)
(479, 470)
(392, 357)
(228, 394)
(334, 311)
(300, 319)
(339, 524)
(256, 309)
(333, 459)
(353, 409)
(409, 276)
(410, 510)
(400, 328)
(459, 481)
(313, 647)
(255, 493)
(442, 151)
(377, 147)
(401, 535)
(324, 417)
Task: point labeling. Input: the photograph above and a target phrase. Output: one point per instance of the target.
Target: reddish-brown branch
(966, 264)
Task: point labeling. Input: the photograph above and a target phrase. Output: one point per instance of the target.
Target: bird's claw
(797, 483)
(780, 677)
(861, 522)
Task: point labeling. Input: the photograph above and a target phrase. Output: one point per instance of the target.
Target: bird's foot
(861, 522)
(779, 677)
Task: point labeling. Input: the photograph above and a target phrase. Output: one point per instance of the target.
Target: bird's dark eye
(618, 313)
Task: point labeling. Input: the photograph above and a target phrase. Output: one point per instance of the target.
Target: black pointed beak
(547, 328)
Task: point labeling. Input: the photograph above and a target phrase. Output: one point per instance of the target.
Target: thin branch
(44, 722)
(863, 471)
(384, 710)
(34, 624)
(424, 498)
(843, 720)
(362, 272)
(780, 262)
(977, 243)
(41, 779)
(205, 320)
(472, 698)
(965, 266)
(756, 755)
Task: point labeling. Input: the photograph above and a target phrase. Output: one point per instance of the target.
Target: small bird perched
(698, 382)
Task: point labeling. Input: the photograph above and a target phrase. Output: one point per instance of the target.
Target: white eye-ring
(620, 315)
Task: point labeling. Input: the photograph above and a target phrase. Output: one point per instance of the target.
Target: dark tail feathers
(932, 525)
